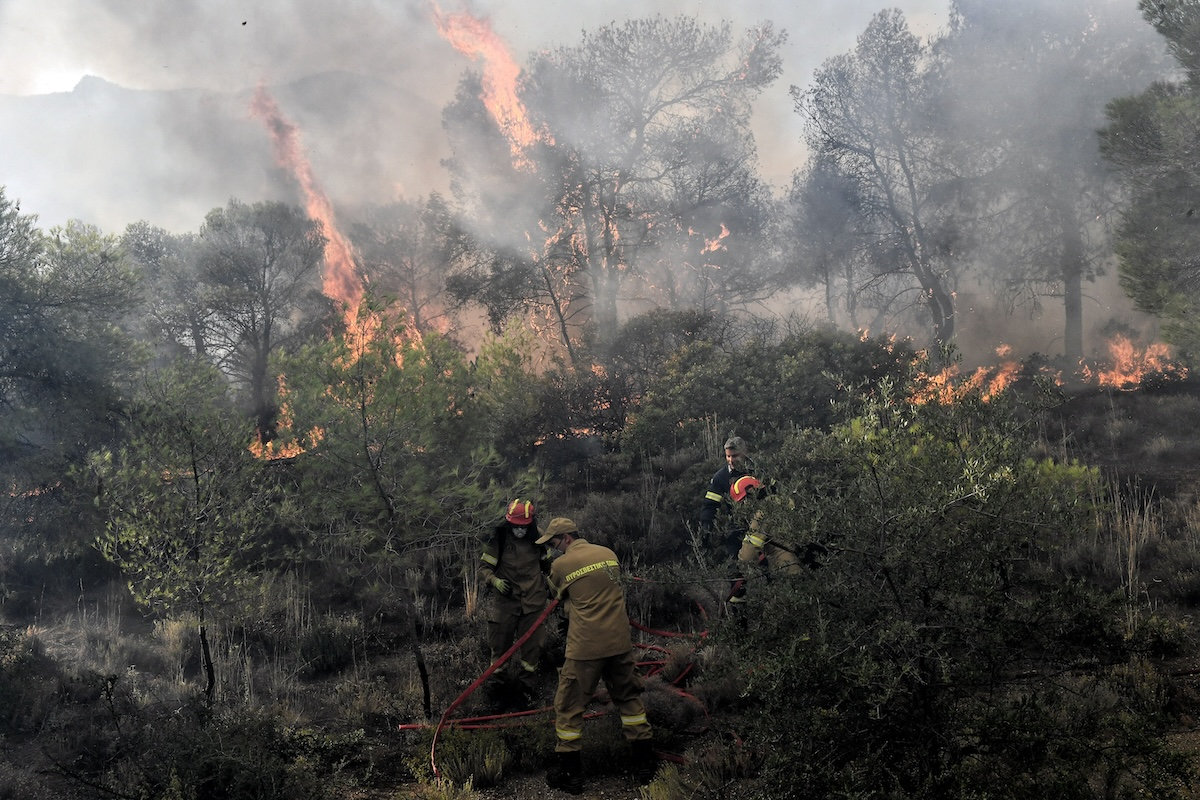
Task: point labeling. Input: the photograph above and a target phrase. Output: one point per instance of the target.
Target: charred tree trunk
(941, 305)
(210, 675)
(372, 459)
(560, 315)
(937, 296)
(606, 273)
(265, 410)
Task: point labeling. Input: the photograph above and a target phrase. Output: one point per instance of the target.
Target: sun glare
(53, 79)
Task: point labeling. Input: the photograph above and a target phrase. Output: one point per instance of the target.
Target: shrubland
(995, 610)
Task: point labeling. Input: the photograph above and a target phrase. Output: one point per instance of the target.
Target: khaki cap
(557, 527)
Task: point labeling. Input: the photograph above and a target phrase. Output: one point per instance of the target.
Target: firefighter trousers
(577, 682)
(506, 628)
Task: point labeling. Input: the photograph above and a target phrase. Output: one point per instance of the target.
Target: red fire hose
(487, 673)
(499, 662)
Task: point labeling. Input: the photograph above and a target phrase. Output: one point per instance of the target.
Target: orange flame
(15, 491)
(475, 38)
(988, 382)
(341, 282)
(285, 445)
(712, 245)
(1131, 367)
(1129, 370)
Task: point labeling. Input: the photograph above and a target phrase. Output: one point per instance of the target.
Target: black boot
(645, 761)
(566, 773)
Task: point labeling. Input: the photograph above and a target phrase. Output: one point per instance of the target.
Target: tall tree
(178, 314)
(872, 116)
(646, 153)
(509, 271)
(1152, 140)
(407, 250)
(1027, 83)
(260, 266)
(824, 250)
(185, 502)
(65, 360)
(716, 234)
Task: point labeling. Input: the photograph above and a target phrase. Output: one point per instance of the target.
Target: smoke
(223, 47)
(218, 46)
(163, 132)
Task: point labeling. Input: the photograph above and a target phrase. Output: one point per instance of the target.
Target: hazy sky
(47, 45)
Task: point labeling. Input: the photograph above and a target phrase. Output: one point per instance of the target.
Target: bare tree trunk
(414, 647)
(560, 314)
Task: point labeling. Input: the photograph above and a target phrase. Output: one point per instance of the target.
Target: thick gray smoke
(113, 111)
(163, 133)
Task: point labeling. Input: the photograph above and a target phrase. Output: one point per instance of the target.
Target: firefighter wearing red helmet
(514, 567)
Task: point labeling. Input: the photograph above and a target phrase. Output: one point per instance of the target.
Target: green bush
(463, 757)
(328, 646)
(29, 682)
(230, 755)
(761, 389)
(938, 652)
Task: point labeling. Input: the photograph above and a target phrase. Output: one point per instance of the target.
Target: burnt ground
(1147, 437)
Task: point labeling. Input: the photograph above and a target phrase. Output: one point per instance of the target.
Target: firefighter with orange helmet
(514, 567)
(586, 578)
(759, 548)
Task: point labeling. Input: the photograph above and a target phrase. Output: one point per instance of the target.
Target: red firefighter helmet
(520, 512)
(742, 486)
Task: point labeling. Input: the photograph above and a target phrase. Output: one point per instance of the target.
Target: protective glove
(502, 586)
(737, 591)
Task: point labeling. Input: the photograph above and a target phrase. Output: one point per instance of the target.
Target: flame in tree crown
(340, 280)
(474, 37)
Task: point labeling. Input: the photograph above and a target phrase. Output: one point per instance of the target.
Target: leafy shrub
(938, 652)
(464, 758)
(29, 681)
(762, 390)
(327, 647)
(231, 755)
(481, 764)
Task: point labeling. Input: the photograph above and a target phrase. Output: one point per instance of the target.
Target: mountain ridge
(111, 155)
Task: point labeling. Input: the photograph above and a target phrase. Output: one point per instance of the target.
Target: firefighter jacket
(761, 548)
(717, 496)
(522, 563)
(586, 579)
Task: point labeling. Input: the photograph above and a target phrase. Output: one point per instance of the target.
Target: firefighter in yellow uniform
(759, 548)
(514, 566)
(599, 646)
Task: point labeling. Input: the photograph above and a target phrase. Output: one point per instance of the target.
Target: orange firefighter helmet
(742, 487)
(520, 512)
